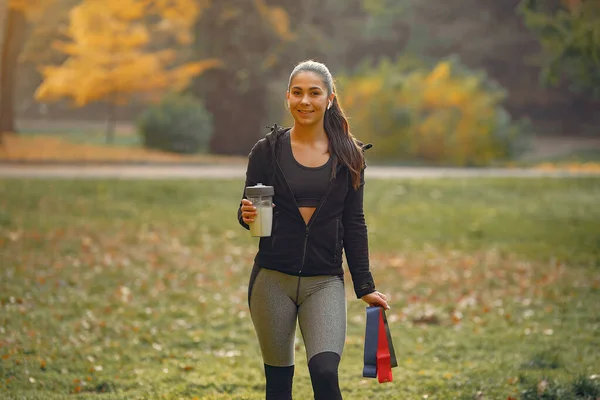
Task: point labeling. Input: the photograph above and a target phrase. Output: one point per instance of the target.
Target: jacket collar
(274, 134)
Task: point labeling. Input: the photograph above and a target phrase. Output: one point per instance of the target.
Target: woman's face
(307, 98)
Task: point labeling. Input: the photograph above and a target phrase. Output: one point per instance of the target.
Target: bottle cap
(259, 190)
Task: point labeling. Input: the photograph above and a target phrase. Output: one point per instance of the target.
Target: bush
(179, 123)
(447, 114)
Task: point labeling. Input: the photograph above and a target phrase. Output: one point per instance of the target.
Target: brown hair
(342, 143)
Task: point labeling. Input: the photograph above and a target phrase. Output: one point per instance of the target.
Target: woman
(317, 171)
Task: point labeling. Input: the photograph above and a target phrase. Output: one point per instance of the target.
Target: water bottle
(261, 197)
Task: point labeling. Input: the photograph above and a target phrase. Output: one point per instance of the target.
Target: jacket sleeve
(255, 173)
(356, 243)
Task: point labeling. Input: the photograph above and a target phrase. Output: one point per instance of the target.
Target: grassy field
(137, 290)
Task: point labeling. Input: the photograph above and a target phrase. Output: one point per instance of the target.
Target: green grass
(137, 290)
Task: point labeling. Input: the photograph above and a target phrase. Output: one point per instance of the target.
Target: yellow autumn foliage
(108, 55)
(277, 17)
(445, 114)
(178, 16)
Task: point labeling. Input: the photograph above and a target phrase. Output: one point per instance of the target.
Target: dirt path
(238, 172)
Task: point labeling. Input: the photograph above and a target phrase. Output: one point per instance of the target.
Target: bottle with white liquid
(261, 197)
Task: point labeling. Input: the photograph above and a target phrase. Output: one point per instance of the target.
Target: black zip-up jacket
(302, 249)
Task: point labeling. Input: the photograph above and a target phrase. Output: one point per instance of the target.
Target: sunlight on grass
(73, 148)
(137, 290)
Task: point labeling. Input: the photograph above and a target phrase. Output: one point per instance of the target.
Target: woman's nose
(305, 100)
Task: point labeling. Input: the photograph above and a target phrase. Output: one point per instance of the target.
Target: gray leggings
(276, 300)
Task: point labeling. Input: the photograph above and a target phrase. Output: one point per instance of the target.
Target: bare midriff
(307, 212)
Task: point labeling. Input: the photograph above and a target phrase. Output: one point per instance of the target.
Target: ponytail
(342, 143)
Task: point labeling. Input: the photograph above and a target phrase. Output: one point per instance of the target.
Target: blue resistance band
(371, 337)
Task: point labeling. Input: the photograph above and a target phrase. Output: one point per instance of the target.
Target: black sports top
(308, 184)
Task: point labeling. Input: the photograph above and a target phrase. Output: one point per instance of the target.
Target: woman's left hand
(376, 299)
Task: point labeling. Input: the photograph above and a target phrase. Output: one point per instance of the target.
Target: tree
(109, 57)
(249, 37)
(19, 14)
(570, 39)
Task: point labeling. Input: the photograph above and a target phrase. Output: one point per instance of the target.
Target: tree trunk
(110, 122)
(237, 116)
(3, 10)
(236, 95)
(14, 38)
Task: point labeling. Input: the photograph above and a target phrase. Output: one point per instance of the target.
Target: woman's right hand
(248, 211)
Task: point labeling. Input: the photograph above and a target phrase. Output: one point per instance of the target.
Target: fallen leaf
(542, 386)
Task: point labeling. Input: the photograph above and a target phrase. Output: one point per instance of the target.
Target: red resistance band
(384, 367)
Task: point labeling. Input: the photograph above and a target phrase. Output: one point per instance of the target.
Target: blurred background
(458, 82)
(138, 287)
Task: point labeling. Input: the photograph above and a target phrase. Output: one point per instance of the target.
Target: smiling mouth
(304, 112)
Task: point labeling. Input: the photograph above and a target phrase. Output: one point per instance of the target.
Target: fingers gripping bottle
(261, 197)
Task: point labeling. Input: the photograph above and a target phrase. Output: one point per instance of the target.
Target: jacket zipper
(310, 221)
(302, 265)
